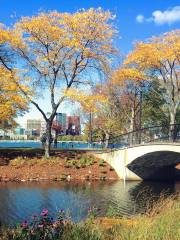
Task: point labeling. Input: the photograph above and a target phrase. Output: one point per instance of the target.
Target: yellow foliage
(4, 36)
(55, 48)
(156, 52)
(120, 76)
(89, 102)
(158, 59)
(56, 37)
(11, 99)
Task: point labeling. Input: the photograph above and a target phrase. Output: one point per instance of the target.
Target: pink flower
(44, 213)
(40, 225)
(34, 217)
(24, 224)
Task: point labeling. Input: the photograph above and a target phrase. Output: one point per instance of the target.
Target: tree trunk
(131, 128)
(55, 138)
(90, 127)
(172, 126)
(106, 140)
(140, 115)
(48, 139)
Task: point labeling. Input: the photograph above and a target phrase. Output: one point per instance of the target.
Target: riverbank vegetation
(31, 165)
(160, 222)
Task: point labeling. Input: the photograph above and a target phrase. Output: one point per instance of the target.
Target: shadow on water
(19, 201)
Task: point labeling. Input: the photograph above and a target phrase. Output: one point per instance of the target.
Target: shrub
(24, 161)
(68, 165)
(111, 169)
(63, 177)
(19, 161)
(101, 163)
(82, 162)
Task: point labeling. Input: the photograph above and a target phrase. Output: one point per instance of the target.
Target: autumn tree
(90, 103)
(158, 59)
(110, 119)
(12, 102)
(58, 50)
(132, 85)
(104, 113)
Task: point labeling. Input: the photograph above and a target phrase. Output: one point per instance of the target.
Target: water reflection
(20, 201)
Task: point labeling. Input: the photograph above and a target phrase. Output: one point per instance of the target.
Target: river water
(60, 144)
(20, 201)
(38, 144)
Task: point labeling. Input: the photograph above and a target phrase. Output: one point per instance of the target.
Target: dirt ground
(47, 170)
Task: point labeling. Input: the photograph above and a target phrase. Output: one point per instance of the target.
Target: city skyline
(63, 124)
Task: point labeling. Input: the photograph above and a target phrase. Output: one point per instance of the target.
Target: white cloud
(140, 18)
(168, 16)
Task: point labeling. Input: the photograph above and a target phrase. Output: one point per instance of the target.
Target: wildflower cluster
(43, 227)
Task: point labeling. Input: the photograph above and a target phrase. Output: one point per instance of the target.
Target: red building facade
(73, 125)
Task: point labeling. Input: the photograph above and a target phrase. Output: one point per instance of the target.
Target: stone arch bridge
(147, 162)
(144, 156)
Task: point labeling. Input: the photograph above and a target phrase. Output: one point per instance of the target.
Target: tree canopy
(158, 59)
(57, 51)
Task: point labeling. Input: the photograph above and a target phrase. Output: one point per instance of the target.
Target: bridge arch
(150, 161)
(158, 165)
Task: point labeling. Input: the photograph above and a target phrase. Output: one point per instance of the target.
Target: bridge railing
(170, 133)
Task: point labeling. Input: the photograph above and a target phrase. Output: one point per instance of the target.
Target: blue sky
(135, 19)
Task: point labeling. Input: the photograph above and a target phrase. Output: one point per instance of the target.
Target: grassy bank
(161, 222)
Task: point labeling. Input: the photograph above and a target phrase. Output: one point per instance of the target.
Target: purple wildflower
(34, 217)
(24, 224)
(44, 213)
(40, 225)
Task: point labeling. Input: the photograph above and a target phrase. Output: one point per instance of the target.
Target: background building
(33, 127)
(43, 127)
(18, 133)
(73, 125)
(61, 120)
(33, 124)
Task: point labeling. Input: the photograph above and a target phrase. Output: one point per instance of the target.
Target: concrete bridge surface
(155, 161)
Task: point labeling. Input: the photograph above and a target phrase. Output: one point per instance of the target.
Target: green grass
(69, 160)
(102, 163)
(82, 231)
(85, 160)
(161, 222)
(24, 161)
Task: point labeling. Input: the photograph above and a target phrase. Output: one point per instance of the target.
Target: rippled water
(19, 201)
